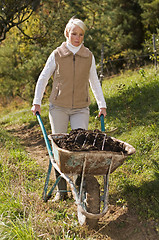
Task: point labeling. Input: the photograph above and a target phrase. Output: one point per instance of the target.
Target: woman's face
(75, 35)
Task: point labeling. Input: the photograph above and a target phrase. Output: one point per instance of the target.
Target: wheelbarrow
(91, 203)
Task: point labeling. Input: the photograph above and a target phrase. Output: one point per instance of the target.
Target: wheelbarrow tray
(97, 162)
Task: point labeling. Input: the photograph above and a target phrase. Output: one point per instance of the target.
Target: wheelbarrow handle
(44, 134)
(102, 123)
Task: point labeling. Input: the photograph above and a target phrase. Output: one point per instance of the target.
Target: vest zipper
(73, 79)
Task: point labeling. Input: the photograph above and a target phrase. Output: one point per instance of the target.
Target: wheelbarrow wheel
(91, 200)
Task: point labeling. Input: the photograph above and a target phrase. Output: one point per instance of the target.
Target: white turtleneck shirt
(49, 69)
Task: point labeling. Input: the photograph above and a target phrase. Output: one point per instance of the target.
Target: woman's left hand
(102, 111)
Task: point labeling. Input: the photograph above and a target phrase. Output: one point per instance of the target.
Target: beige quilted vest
(71, 78)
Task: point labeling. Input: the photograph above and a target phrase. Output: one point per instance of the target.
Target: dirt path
(120, 222)
(33, 142)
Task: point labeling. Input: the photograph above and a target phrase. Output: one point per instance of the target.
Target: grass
(132, 100)
(23, 212)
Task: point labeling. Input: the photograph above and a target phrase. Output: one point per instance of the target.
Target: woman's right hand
(36, 108)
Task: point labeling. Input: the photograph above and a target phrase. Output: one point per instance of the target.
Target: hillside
(133, 108)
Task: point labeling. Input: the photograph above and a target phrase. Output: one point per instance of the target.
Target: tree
(150, 15)
(15, 12)
(125, 24)
(93, 14)
(118, 24)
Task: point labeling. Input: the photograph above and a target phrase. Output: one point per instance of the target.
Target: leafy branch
(15, 12)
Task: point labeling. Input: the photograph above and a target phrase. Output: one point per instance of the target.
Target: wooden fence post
(155, 51)
(101, 64)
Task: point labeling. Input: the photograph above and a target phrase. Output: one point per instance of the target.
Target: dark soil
(89, 140)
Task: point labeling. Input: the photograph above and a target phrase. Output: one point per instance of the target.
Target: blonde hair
(74, 21)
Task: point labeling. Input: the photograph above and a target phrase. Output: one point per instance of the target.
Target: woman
(73, 68)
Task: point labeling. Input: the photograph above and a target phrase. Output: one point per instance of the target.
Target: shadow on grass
(138, 219)
(136, 104)
(140, 106)
(145, 199)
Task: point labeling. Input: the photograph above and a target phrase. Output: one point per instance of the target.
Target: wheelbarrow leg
(61, 188)
(52, 189)
(47, 181)
(45, 195)
(58, 178)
